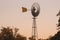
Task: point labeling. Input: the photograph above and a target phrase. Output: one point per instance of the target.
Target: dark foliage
(56, 36)
(8, 34)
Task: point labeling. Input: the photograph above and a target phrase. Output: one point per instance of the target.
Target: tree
(19, 37)
(8, 34)
(56, 36)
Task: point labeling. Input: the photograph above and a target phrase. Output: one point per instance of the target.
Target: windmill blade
(35, 9)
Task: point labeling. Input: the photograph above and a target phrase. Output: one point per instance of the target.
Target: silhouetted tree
(56, 36)
(19, 37)
(30, 38)
(8, 34)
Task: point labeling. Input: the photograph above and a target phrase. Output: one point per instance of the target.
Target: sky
(11, 15)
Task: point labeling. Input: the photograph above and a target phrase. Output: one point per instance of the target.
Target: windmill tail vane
(24, 9)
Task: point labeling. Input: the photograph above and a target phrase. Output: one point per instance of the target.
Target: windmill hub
(35, 9)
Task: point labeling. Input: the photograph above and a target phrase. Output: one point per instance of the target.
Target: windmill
(35, 10)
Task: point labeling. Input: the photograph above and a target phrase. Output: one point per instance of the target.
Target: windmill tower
(35, 10)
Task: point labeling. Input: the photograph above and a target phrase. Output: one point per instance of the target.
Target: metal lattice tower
(35, 10)
(34, 30)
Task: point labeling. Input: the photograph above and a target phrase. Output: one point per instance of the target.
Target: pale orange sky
(11, 15)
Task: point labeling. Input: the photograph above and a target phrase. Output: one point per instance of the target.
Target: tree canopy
(9, 34)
